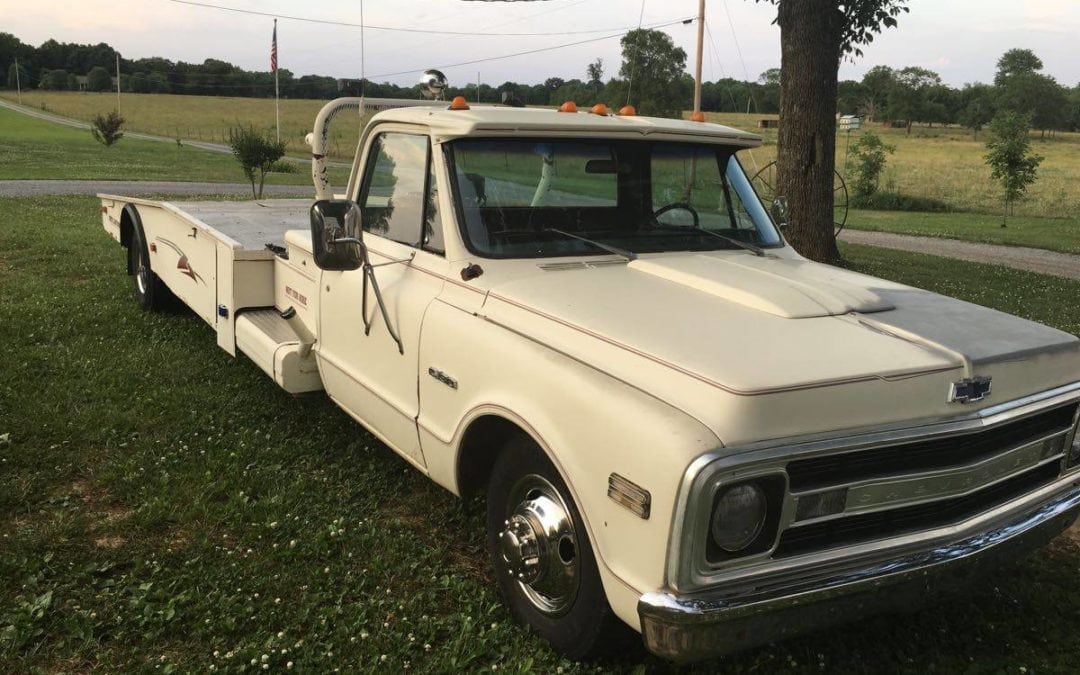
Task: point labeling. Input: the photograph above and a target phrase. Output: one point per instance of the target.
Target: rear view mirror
(779, 211)
(336, 234)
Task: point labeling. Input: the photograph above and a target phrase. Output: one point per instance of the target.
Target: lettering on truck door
(367, 374)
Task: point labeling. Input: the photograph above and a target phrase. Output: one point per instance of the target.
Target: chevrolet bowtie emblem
(969, 389)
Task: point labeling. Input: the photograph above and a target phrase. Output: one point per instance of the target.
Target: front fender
(590, 424)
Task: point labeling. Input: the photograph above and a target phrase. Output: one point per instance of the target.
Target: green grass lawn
(33, 148)
(166, 507)
(1055, 234)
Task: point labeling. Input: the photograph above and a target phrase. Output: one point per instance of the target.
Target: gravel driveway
(1019, 257)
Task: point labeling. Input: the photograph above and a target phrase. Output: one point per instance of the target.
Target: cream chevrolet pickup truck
(679, 424)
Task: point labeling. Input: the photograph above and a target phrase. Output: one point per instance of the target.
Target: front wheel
(542, 557)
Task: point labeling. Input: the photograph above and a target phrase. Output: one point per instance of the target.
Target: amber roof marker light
(569, 107)
(599, 109)
(697, 116)
(459, 103)
(627, 111)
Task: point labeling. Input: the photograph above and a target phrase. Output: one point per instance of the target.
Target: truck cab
(680, 425)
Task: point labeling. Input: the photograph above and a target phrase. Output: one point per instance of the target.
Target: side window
(393, 195)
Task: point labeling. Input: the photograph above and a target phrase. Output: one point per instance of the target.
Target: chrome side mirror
(779, 211)
(337, 235)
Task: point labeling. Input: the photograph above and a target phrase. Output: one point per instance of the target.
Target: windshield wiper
(629, 255)
(753, 248)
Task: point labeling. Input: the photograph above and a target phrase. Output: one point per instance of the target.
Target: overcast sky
(960, 39)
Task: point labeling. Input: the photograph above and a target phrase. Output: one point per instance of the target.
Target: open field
(33, 148)
(164, 506)
(1055, 234)
(946, 164)
(204, 118)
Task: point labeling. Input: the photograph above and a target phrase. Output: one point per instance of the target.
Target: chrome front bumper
(712, 623)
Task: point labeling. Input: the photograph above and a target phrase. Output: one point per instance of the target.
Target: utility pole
(18, 83)
(117, 83)
(478, 86)
(277, 89)
(698, 115)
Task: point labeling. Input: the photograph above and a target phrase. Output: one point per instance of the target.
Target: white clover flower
(289, 664)
(265, 658)
(281, 633)
(383, 658)
(292, 543)
(277, 601)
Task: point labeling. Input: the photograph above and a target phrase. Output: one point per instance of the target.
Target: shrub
(867, 161)
(106, 128)
(1010, 158)
(281, 166)
(256, 153)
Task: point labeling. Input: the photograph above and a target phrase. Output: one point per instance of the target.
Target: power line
(735, 39)
(395, 29)
(633, 59)
(524, 53)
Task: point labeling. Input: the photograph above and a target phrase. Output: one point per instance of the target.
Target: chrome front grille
(893, 522)
(921, 456)
(859, 496)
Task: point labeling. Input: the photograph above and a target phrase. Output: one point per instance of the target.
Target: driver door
(366, 371)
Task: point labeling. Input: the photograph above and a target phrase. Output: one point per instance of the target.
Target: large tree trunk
(810, 35)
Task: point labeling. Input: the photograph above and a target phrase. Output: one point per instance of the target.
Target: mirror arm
(369, 277)
(348, 240)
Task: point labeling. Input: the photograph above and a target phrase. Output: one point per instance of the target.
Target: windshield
(546, 198)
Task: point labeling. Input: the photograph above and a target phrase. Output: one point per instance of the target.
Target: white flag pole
(117, 83)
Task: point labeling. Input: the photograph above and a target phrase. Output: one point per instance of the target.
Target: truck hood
(749, 326)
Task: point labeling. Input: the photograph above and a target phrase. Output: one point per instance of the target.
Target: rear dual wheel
(543, 560)
(150, 291)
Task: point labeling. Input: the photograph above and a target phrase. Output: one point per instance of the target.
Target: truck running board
(274, 346)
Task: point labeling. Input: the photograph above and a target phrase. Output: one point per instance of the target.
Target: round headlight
(739, 516)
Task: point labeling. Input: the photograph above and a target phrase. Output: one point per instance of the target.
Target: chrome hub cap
(142, 274)
(539, 545)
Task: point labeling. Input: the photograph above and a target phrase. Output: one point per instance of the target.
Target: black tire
(150, 291)
(582, 627)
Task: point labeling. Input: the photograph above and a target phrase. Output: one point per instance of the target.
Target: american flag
(273, 50)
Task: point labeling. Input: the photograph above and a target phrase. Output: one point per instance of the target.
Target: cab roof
(480, 120)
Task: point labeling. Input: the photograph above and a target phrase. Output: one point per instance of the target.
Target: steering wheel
(678, 205)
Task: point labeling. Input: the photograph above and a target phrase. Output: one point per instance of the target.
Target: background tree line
(910, 95)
